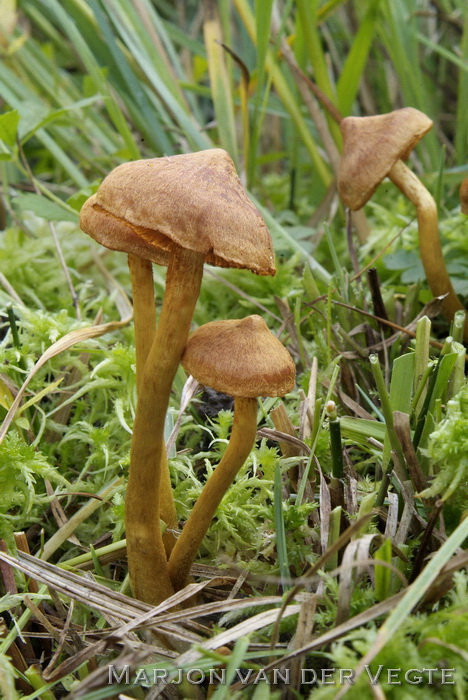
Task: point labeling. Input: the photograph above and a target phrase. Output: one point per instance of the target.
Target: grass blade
(353, 68)
(92, 66)
(423, 334)
(143, 113)
(175, 114)
(308, 14)
(461, 131)
(219, 79)
(281, 544)
(286, 96)
(413, 595)
(398, 31)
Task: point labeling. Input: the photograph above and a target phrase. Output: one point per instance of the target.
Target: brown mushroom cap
(372, 146)
(195, 200)
(241, 358)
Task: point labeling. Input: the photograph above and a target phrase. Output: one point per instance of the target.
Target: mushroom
(243, 359)
(179, 211)
(374, 148)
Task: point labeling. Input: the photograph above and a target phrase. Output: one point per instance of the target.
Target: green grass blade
(92, 66)
(423, 335)
(391, 438)
(20, 98)
(156, 73)
(42, 73)
(353, 68)
(437, 386)
(398, 31)
(308, 12)
(383, 574)
(401, 385)
(236, 658)
(130, 21)
(442, 51)
(286, 96)
(263, 12)
(144, 115)
(414, 593)
(281, 543)
(358, 428)
(162, 31)
(443, 377)
(461, 131)
(328, 8)
(180, 38)
(219, 80)
(263, 9)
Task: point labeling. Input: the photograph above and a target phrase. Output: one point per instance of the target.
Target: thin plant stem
(376, 294)
(13, 327)
(421, 387)
(388, 415)
(423, 336)
(335, 441)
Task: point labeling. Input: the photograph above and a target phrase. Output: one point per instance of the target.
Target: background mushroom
(180, 212)
(243, 359)
(374, 148)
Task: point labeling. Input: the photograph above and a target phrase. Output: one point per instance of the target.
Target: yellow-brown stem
(147, 560)
(144, 309)
(144, 318)
(429, 239)
(242, 439)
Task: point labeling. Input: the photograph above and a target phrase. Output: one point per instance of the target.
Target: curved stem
(144, 318)
(429, 239)
(146, 554)
(242, 439)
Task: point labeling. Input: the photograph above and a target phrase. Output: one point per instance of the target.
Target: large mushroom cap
(241, 358)
(194, 200)
(371, 147)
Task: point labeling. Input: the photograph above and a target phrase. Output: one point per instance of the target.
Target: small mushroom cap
(372, 146)
(241, 358)
(194, 200)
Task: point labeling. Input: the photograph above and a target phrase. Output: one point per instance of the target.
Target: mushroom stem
(242, 439)
(144, 309)
(144, 318)
(429, 239)
(144, 502)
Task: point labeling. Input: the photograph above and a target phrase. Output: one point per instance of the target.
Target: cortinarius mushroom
(179, 211)
(243, 359)
(374, 148)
